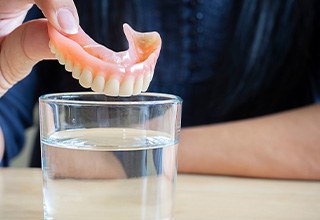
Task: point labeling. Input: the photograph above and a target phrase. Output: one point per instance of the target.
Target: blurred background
(23, 158)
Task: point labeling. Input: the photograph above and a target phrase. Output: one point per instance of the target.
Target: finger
(62, 14)
(7, 8)
(21, 50)
(12, 14)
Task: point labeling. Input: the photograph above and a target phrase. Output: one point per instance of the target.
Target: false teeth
(112, 87)
(76, 71)
(85, 79)
(98, 84)
(122, 73)
(68, 65)
(52, 47)
(126, 87)
(60, 57)
(137, 88)
(146, 82)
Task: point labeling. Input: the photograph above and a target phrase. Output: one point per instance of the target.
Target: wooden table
(197, 198)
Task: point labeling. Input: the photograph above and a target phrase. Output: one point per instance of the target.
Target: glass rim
(62, 98)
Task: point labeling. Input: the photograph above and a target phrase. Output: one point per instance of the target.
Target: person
(248, 72)
(22, 46)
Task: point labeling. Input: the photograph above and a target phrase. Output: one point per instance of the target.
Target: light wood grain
(197, 197)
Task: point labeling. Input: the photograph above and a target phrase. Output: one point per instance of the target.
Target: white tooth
(138, 85)
(146, 82)
(85, 79)
(68, 66)
(60, 58)
(76, 71)
(126, 87)
(112, 87)
(52, 47)
(98, 84)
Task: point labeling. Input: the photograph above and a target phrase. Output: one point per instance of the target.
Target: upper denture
(123, 73)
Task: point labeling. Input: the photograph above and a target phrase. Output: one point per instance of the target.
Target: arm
(21, 47)
(282, 145)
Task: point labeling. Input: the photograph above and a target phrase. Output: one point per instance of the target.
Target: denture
(122, 73)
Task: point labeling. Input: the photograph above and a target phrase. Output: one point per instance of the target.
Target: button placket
(196, 29)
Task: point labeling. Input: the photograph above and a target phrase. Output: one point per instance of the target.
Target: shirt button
(193, 19)
(199, 15)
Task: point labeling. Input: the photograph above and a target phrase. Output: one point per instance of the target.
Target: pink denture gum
(122, 73)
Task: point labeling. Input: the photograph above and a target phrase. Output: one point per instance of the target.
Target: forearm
(283, 145)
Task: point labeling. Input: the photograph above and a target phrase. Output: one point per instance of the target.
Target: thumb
(62, 14)
(21, 50)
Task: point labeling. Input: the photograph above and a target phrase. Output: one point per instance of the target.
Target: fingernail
(66, 21)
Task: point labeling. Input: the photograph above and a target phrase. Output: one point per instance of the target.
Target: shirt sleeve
(16, 108)
(16, 114)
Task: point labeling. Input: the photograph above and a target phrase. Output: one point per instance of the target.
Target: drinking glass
(109, 157)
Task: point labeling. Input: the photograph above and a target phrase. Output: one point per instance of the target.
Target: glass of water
(109, 157)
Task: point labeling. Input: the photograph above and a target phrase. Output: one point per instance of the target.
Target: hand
(24, 45)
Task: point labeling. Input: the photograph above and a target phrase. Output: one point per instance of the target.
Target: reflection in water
(98, 181)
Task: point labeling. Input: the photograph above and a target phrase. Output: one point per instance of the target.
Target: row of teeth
(129, 86)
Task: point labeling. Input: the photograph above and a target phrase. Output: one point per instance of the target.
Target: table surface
(197, 197)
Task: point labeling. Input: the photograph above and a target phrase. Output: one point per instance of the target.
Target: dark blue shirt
(228, 60)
